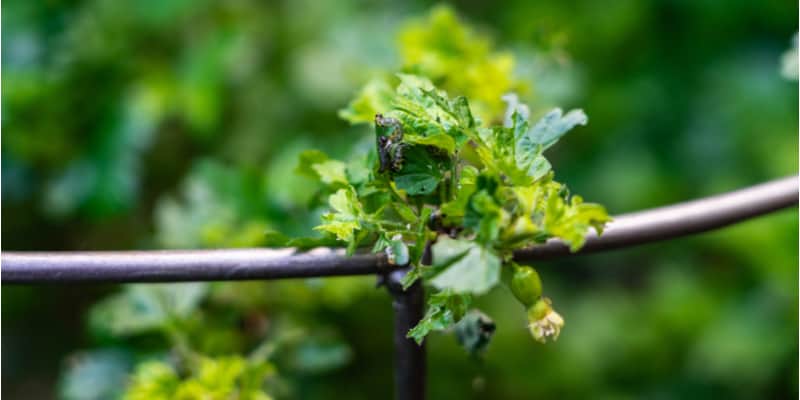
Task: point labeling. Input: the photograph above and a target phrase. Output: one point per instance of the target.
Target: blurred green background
(176, 124)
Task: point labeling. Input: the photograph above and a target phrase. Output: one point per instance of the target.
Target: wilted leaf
(475, 331)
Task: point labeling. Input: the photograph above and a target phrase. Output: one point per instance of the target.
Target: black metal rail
(680, 219)
(184, 265)
(260, 264)
(257, 264)
(409, 357)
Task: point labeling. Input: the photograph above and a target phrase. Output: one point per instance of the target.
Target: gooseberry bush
(454, 180)
(442, 180)
(460, 175)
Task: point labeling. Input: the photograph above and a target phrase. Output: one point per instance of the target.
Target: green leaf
(506, 151)
(331, 171)
(554, 125)
(445, 308)
(316, 165)
(571, 220)
(462, 112)
(405, 212)
(463, 266)
(410, 277)
(315, 355)
(145, 307)
(306, 161)
(95, 375)
(414, 86)
(374, 98)
(539, 167)
(218, 207)
(484, 213)
(459, 59)
(225, 377)
(440, 140)
(381, 244)
(428, 113)
(346, 216)
(421, 172)
(484, 216)
(454, 210)
(423, 236)
(342, 229)
(153, 380)
(358, 170)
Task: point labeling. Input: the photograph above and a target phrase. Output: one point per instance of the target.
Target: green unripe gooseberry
(526, 285)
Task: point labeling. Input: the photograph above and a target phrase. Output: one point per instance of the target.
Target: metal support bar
(677, 220)
(242, 264)
(409, 357)
(185, 265)
(410, 366)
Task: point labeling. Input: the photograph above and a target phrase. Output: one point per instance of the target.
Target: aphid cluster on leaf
(389, 137)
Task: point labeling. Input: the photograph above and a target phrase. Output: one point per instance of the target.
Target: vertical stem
(453, 181)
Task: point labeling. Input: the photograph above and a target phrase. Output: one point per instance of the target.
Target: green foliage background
(156, 124)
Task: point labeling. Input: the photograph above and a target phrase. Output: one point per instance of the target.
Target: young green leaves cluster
(475, 193)
(454, 56)
(215, 378)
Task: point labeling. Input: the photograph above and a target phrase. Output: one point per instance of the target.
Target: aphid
(389, 138)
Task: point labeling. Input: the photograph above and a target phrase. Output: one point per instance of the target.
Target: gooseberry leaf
(463, 266)
(421, 171)
(331, 171)
(374, 98)
(554, 125)
(445, 308)
(143, 308)
(346, 216)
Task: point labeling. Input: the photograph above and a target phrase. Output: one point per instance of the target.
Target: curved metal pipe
(678, 220)
(245, 264)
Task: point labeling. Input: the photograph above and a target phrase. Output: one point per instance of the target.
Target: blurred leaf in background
(96, 375)
(140, 308)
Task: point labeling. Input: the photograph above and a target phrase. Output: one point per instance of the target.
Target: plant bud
(543, 321)
(397, 251)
